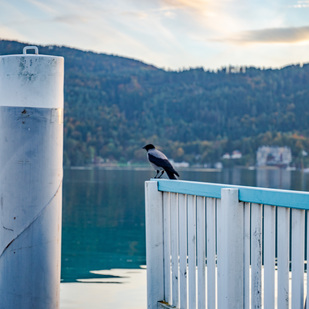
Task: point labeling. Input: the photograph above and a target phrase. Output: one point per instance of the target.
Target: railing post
(230, 250)
(154, 244)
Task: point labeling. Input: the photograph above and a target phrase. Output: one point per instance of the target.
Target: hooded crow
(160, 162)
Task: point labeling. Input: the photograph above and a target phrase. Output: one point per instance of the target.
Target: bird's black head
(149, 146)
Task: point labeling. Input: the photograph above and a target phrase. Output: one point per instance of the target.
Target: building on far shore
(273, 156)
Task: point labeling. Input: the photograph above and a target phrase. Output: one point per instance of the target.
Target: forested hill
(114, 105)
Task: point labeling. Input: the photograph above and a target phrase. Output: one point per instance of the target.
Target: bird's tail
(171, 175)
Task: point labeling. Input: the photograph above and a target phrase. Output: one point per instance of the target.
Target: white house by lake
(273, 156)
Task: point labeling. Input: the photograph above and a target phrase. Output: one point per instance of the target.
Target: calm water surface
(103, 215)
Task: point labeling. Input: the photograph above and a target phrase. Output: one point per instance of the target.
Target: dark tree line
(114, 105)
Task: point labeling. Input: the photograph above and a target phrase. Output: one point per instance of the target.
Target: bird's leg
(156, 174)
(161, 174)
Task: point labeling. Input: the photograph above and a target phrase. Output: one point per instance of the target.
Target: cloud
(190, 4)
(300, 4)
(135, 14)
(7, 33)
(289, 35)
(70, 19)
(43, 7)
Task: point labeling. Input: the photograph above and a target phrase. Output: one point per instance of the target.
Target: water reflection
(103, 214)
(274, 178)
(103, 222)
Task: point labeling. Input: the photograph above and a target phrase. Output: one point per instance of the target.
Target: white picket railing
(220, 246)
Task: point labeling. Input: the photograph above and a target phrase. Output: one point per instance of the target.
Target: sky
(170, 34)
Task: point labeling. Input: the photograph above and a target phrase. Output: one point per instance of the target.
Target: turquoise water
(103, 222)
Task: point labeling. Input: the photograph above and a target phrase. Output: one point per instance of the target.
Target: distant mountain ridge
(114, 105)
(104, 62)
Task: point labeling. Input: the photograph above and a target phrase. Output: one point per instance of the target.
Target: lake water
(103, 234)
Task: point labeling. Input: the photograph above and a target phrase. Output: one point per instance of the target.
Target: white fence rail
(218, 246)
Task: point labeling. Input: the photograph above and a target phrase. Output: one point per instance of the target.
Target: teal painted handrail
(266, 196)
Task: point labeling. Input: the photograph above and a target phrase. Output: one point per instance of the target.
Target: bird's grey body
(160, 162)
(156, 154)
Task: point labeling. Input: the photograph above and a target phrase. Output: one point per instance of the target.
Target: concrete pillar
(31, 150)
